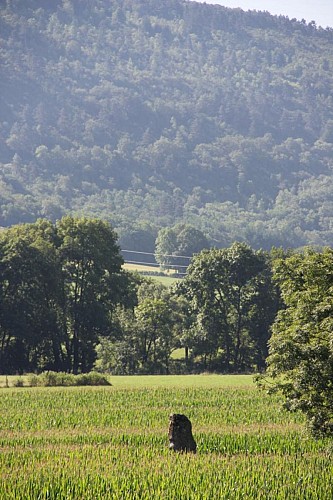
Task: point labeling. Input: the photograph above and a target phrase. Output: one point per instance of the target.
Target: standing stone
(180, 434)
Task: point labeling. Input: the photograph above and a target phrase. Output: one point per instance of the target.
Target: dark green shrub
(53, 379)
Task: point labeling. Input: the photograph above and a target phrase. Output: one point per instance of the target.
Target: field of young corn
(111, 443)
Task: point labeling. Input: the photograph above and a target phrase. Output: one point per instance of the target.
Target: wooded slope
(148, 113)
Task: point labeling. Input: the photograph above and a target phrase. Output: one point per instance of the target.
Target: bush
(92, 378)
(53, 379)
(18, 383)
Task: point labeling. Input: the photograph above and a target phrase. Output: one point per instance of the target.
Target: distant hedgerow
(52, 379)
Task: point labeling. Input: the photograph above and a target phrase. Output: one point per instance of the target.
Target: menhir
(180, 434)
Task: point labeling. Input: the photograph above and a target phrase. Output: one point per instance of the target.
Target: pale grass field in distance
(139, 381)
(111, 442)
(165, 280)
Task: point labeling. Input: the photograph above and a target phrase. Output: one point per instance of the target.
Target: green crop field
(111, 443)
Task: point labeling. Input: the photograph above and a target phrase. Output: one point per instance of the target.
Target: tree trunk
(75, 345)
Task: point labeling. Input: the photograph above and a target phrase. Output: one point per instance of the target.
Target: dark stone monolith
(180, 434)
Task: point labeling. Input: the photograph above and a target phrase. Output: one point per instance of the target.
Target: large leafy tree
(59, 285)
(229, 290)
(30, 312)
(301, 347)
(93, 281)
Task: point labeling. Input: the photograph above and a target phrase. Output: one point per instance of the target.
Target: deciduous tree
(176, 245)
(301, 347)
(91, 265)
(227, 289)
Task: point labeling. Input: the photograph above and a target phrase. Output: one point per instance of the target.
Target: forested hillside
(149, 113)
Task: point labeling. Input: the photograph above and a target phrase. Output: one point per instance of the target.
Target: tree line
(67, 304)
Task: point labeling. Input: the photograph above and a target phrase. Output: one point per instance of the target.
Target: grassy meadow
(111, 442)
(142, 268)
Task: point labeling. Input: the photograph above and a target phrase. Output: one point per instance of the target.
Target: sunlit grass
(123, 381)
(167, 280)
(182, 381)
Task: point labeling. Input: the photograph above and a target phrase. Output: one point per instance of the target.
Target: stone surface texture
(180, 434)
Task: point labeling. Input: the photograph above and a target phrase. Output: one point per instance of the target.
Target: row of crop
(35, 409)
(226, 443)
(127, 473)
(107, 443)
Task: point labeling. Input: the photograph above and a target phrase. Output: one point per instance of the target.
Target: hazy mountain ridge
(156, 112)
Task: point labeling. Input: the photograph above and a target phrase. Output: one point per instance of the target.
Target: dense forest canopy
(150, 113)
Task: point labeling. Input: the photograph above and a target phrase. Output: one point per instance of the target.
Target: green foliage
(30, 317)
(301, 348)
(58, 286)
(176, 245)
(149, 114)
(146, 336)
(137, 241)
(90, 263)
(18, 383)
(53, 379)
(233, 303)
